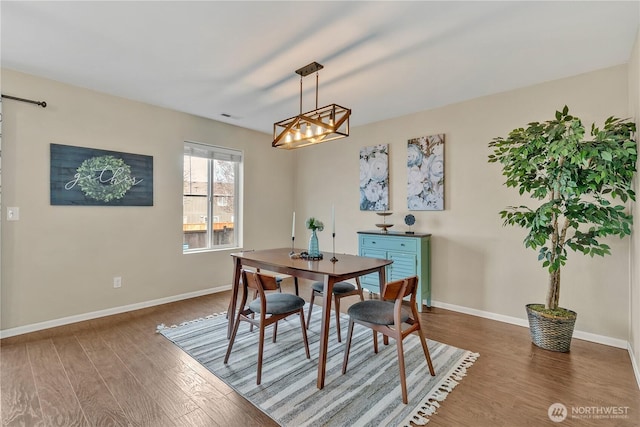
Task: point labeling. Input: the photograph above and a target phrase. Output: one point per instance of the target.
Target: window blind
(196, 149)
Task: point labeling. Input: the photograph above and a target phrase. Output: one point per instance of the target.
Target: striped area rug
(368, 394)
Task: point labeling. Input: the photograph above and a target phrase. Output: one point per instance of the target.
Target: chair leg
(275, 331)
(253, 316)
(337, 300)
(425, 348)
(347, 347)
(313, 297)
(304, 333)
(232, 339)
(403, 380)
(260, 350)
(375, 342)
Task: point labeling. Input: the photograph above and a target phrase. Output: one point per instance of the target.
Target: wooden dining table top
(347, 266)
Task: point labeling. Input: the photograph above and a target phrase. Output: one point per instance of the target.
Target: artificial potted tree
(581, 185)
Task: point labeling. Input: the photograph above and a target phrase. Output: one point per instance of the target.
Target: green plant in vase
(314, 225)
(577, 182)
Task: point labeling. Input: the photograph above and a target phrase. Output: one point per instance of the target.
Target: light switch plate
(13, 214)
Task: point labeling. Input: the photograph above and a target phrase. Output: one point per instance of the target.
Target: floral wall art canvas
(425, 171)
(374, 178)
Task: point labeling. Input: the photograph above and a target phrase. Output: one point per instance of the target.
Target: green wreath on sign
(104, 178)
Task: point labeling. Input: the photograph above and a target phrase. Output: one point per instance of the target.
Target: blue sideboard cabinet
(410, 254)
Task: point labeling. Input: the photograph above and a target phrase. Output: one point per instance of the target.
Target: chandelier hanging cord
(317, 84)
(317, 79)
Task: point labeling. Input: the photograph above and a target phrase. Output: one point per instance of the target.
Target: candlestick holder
(293, 238)
(333, 258)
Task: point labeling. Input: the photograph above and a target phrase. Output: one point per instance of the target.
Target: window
(210, 204)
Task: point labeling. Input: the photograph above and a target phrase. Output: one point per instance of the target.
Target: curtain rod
(43, 104)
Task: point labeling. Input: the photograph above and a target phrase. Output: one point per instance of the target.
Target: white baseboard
(587, 336)
(6, 333)
(636, 369)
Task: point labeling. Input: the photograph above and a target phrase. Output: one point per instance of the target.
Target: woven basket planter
(551, 333)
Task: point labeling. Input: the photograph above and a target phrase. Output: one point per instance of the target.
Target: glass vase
(314, 249)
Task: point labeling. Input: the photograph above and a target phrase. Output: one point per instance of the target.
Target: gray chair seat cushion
(338, 288)
(278, 303)
(374, 311)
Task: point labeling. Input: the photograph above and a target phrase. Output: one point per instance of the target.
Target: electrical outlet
(13, 214)
(117, 282)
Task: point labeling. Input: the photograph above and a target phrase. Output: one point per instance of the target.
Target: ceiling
(381, 59)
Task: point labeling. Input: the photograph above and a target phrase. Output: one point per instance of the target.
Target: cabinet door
(371, 282)
(404, 265)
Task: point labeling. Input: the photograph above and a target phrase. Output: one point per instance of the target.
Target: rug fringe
(162, 326)
(421, 414)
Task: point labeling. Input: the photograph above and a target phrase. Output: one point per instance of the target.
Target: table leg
(234, 295)
(383, 281)
(324, 330)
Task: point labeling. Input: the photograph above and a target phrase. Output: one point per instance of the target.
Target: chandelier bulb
(309, 132)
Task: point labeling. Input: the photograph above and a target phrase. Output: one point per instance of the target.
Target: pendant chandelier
(313, 127)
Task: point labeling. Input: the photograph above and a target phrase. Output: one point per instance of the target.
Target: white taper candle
(333, 219)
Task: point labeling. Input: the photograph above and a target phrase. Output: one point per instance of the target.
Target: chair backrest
(399, 289)
(259, 281)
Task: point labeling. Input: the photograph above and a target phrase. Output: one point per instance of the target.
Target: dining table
(331, 269)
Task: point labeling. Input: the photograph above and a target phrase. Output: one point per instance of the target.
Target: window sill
(204, 250)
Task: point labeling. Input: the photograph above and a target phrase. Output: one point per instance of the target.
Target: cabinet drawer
(389, 243)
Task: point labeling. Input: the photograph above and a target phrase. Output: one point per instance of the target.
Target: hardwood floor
(118, 371)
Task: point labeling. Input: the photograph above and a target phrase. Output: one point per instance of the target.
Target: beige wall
(477, 263)
(634, 107)
(59, 261)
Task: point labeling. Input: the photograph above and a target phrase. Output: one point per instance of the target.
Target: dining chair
(340, 290)
(387, 316)
(268, 309)
(279, 279)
